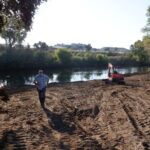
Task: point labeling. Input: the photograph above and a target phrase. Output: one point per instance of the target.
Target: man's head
(40, 72)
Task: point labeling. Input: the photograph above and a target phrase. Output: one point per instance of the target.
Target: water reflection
(13, 79)
(64, 76)
(87, 75)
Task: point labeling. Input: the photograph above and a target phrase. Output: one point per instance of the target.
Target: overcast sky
(101, 23)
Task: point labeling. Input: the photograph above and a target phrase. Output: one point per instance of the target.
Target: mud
(78, 116)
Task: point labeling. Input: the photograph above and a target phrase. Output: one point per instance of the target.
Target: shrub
(63, 56)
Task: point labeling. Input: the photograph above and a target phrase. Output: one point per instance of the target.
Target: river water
(13, 79)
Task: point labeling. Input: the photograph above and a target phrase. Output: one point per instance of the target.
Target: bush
(35, 59)
(125, 61)
(102, 59)
(63, 56)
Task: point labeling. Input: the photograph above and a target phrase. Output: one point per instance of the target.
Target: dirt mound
(79, 116)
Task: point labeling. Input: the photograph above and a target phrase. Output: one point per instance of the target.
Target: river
(14, 79)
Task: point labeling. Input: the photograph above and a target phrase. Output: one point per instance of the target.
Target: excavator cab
(114, 76)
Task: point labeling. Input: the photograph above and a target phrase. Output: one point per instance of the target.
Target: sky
(101, 23)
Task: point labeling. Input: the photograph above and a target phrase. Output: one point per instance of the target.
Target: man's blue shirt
(42, 80)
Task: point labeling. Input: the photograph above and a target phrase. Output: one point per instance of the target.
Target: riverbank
(79, 116)
(19, 79)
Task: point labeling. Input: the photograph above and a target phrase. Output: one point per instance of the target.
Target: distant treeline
(60, 58)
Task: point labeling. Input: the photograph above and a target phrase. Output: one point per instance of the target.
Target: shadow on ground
(59, 122)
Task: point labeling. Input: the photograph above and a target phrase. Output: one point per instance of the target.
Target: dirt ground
(78, 116)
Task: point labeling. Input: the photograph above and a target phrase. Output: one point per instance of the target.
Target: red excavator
(114, 76)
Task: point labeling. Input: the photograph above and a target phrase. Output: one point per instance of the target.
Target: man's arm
(36, 83)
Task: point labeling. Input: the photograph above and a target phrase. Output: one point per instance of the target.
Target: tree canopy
(41, 45)
(63, 56)
(23, 10)
(146, 29)
(13, 32)
(138, 52)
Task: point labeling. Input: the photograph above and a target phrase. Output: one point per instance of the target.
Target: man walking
(41, 82)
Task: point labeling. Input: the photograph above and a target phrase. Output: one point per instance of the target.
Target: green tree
(146, 29)
(146, 42)
(88, 47)
(13, 32)
(23, 10)
(138, 52)
(41, 45)
(102, 59)
(63, 56)
(9, 36)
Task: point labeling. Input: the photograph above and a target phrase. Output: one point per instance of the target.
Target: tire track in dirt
(138, 124)
(12, 140)
(113, 121)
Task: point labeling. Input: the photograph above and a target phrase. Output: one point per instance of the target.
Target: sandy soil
(78, 116)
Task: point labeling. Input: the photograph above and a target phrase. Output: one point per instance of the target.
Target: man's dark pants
(42, 96)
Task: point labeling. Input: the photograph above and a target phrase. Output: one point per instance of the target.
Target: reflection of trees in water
(64, 76)
(129, 70)
(142, 69)
(50, 75)
(137, 69)
(87, 75)
(16, 81)
(15, 78)
(99, 73)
